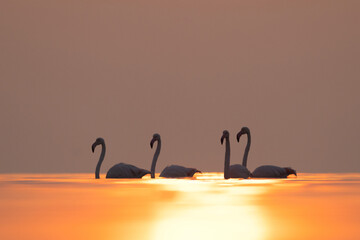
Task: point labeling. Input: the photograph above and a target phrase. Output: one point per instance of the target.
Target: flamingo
(120, 170)
(236, 170)
(173, 171)
(265, 171)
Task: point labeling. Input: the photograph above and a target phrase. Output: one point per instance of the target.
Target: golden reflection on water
(76, 206)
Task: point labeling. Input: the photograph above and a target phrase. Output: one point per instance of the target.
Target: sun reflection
(208, 210)
(211, 222)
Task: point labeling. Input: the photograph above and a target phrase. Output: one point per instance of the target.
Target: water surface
(76, 206)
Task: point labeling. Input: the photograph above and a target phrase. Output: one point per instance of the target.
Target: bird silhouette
(120, 170)
(265, 171)
(173, 171)
(236, 170)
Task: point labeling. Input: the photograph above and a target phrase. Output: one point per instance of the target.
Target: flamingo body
(239, 171)
(270, 171)
(123, 170)
(175, 171)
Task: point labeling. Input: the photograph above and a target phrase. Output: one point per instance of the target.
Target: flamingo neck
(156, 155)
(101, 159)
(247, 149)
(227, 159)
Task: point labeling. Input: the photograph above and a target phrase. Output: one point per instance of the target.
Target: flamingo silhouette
(120, 170)
(236, 170)
(265, 171)
(173, 171)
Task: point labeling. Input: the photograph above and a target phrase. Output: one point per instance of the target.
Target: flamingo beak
(238, 136)
(222, 139)
(152, 142)
(93, 146)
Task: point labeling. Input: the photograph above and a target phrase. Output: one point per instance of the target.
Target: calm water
(76, 206)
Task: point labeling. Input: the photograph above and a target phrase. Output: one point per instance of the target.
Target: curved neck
(156, 155)
(101, 159)
(247, 149)
(227, 159)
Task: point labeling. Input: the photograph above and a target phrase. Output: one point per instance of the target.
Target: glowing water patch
(208, 210)
(211, 222)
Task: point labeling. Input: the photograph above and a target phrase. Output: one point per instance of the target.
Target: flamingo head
(290, 171)
(97, 142)
(156, 137)
(244, 130)
(225, 135)
(193, 171)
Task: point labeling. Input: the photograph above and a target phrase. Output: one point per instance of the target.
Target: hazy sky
(75, 70)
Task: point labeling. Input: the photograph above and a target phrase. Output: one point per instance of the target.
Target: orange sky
(71, 71)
